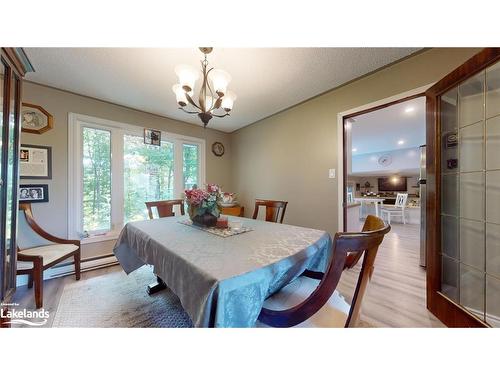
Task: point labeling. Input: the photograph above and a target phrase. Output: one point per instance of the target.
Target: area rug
(117, 300)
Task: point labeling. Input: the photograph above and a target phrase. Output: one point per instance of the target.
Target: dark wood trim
(344, 140)
(18, 59)
(471, 67)
(449, 312)
(4, 322)
(385, 105)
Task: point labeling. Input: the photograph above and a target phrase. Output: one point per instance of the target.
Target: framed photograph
(152, 137)
(33, 193)
(35, 162)
(35, 119)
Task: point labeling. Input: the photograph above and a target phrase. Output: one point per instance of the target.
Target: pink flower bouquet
(204, 204)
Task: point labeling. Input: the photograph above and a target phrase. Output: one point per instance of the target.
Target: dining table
(223, 281)
(364, 200)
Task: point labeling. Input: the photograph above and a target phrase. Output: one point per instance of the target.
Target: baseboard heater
(68, 268)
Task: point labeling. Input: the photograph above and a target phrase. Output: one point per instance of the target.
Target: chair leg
(38, 281)
(77, 264)
(30, 281)
(389, 217)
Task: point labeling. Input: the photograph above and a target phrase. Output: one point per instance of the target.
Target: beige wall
(53, 215)
(287, 156)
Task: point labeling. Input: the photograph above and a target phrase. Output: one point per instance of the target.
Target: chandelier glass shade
(213, 99)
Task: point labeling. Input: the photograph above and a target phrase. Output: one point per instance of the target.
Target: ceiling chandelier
(214, 95)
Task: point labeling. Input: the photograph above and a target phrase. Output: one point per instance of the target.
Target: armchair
(38, 250)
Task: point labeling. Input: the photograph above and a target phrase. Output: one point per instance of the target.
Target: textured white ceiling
(381, 130)
(266, 80)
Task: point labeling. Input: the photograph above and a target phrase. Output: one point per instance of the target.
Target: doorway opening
(384, 175)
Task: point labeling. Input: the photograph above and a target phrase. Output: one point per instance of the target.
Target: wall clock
(385, 160)
(218, 149)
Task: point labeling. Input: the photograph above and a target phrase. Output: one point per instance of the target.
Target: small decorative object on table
(204, 205)
(228, 199)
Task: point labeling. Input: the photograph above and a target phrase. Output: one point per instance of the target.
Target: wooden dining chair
(272, 209)
(321, 300)
(38, 250)
(164, 208)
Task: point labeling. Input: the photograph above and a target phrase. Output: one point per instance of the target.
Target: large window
(190, 156)
(148, 175)
(96, 179)
(112, 173)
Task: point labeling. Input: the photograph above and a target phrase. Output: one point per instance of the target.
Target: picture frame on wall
(34, 193)
(35, 119)
(152, 137)
(35, 162)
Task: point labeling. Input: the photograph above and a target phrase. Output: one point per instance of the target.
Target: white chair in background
(350, 197)
(398, 210)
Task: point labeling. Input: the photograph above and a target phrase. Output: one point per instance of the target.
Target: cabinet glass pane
(471, 100)
(493, 90)
(472, 285)
(449, 134)
(10, 185)
(472, 243)
(449, 194)
(449, 236)
(472, 195)
(2, 84)
(471, 148)
(493, 143)
(493, 196)
(449, 278)
(493, 249)
(492, 301)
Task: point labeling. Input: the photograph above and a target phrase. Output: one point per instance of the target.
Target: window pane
(148, 175)
(96, 179)
(190, 165)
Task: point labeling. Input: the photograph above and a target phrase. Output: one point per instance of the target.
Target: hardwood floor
(395, 296)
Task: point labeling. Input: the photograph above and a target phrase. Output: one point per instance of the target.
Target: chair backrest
(27, 236)
(401, 199)
(344, 244)
(272, 209)
(164, 208)
(350, 197)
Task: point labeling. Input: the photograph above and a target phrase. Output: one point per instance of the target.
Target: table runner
(222, 282)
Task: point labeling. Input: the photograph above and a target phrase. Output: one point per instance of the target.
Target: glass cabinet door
(3, 252)
(470, 194)
(11, 85)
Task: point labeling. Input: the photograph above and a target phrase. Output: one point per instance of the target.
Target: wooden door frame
(342, 150)
(448, 311)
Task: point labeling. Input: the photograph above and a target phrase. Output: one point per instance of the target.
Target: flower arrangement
(204, 204)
